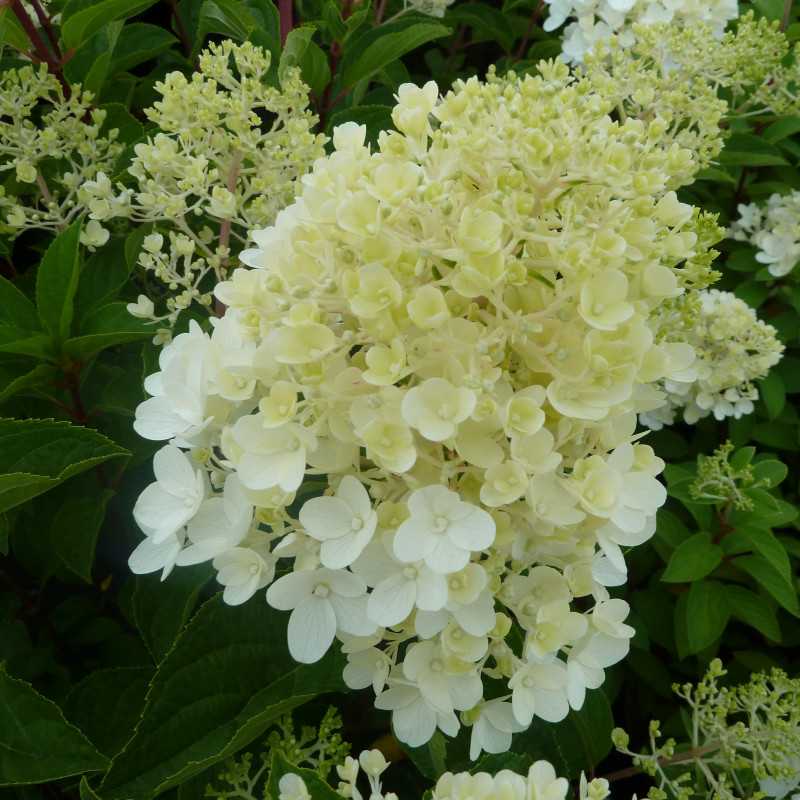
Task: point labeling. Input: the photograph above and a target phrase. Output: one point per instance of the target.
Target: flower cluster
(733, 348)
(774, 230)
(693, 87)
(53, 144)
(225, 161)
(595, 21)
(745, 740)
(540, 782)
(457, 331)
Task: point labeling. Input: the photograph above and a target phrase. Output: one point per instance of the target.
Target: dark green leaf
(764, 542)
(104, 327)
(128, 128)
(76, 526)
(57, 282)
(485, 21)
(36, 455)
(161, 609)
(37, 744)
(746, 150)
(753, 610)
(238, 657)
(40, 375)
(81, 19)
(376, 48)
(106, 705)
(231, 18)
(769, 578)
(788, 126)
(694, 558)
(770, 471)
(707, 614)
(16, 310)
(11, 32)
(139, 42)
(103, 275)
(670, 528)
(773, 393)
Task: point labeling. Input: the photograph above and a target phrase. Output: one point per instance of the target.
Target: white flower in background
(595, 21)
(773, 229)
(322, 601)
(733, 348)
(167, 505)
(292, 787)
(343, 523)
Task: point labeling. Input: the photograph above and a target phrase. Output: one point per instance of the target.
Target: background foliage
(116, 686)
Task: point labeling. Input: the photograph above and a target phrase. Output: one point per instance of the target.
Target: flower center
(440, 524)
(322, 590)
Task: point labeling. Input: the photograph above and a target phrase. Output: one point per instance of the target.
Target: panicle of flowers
(457, 331)
(733, 348)
(52, 144)
(724, 481)
(540, 782)
(318, 748)
(744, 745)
(595, 21)
(672, 69)
(229, 149)
(774, 229)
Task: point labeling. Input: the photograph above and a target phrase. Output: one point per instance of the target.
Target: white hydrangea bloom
(594, 21)
(434, 329)
(774, 230)
(732, 349)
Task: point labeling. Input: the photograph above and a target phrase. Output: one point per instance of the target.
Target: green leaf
(76, 526)
(746, 150)
(104, 327)
(40, 375)
(486, 23)
(317, 787)
(577, 743)
(294, 48)
(106, 705)
(139, 42)
(769, 578)
(57, 282)
(19, 342)
(161, 609)
(693, 559)
(81, 19)
(670, 528)
(764, 542)
(226, 680)
(773, 393)
(768, 511)
(36, 455)
(12, 32)
(707, 614)
(788, 126)
(376, 48)
(16, 310)
(771, 471)
(715, 176)
(103, 275)
(37, 745)
(228, 17)
(89, 66)
(753, 610)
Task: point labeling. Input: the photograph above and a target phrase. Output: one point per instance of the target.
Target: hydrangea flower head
(456, 331)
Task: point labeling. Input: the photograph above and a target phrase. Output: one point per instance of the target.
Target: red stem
(286, 18)
(180, 28)
(44, 21)
(523, 45)
(38, 44)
